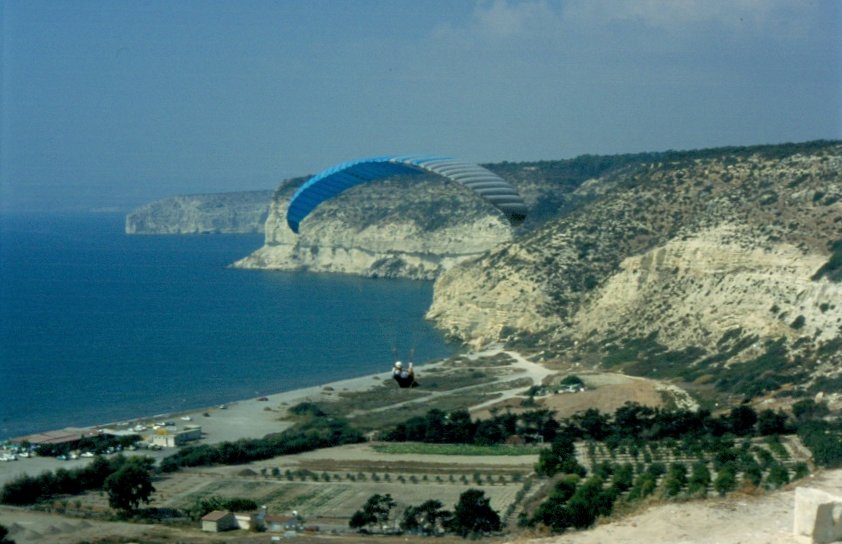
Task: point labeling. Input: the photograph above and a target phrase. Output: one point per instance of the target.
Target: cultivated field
(327, 486)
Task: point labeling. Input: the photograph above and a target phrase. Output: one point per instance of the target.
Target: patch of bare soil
(605, 397)
(605, 391)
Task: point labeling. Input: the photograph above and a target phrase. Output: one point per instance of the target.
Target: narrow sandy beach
(248, 418)
(258, 416)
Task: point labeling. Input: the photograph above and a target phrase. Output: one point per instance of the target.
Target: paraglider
(334, 180)
(404, 376)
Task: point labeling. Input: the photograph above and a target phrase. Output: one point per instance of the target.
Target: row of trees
(309, 435)
(824, 439)
(630, 421)
(634, 421)
(574, 502)
(457, 427)
(127, 480)
(472, 515)
(206, 505)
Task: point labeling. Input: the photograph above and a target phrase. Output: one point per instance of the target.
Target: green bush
(699, 479)
(778, 476)
(824, 439)
(675, 480)
(312, 434)
(25, 490)
(726, 480)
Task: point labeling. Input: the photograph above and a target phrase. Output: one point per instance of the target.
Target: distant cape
(220, 213)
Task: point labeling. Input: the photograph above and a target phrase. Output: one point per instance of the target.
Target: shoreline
(249, 417)
(245, 418)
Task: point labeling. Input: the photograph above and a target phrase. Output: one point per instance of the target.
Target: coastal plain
(328, 485)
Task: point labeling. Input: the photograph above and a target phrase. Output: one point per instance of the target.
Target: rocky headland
(400, 228)
(220, 213)
(676, 264)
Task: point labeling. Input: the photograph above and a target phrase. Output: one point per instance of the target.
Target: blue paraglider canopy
(334, 180)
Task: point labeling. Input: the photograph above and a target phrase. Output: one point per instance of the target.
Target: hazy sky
(115, 103)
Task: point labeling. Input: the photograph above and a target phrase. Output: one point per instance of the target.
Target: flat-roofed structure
(64, 436)
(172, 439)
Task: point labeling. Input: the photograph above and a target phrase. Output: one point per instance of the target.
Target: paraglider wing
(334, 180)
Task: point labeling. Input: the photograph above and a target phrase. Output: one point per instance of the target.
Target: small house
(218, 521)
(167, 439)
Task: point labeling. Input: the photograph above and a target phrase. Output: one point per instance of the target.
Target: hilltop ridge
(682, 266)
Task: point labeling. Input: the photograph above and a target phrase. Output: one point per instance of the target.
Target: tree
(489, 432)
(824, 440)
(742, 419)
(778, 476)
(593, 424)
(726, 479)
(623, 477)
(429, 517)
(588, 502)
(770, 422)
(699, 479)
(561, 457)
(676, 479)
(535, 423)
(130, 485)
(23, 490)
(4, 536)
(808, 409)
(553, 512)
(459, 428)
(632, 418)
(473, 514)
(375, 511)
(752, 473)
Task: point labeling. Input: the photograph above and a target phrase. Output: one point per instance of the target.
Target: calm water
(97, 326)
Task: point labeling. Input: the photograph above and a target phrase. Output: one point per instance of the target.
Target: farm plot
(340, 498)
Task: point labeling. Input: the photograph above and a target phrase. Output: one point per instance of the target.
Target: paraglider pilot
(404, 376)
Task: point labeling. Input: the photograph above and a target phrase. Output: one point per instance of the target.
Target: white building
(171, 439)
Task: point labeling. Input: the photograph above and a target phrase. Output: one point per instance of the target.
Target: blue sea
(97, 326)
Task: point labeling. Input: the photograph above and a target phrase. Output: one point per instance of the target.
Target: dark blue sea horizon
(97, 326)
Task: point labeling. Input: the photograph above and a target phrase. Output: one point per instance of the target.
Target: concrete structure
(172, 439)
(818, 515)
(64, 436)
(250, 520)
(218, 520)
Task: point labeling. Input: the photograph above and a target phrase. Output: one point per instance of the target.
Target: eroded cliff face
(220, 213)
(694, 291)
(394, 229)
(688, 251)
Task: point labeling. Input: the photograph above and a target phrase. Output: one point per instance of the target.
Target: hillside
(421, 226)
(671, 264)
(221, 213)
(680, 266)
(392, 228)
